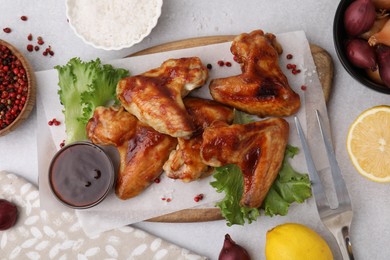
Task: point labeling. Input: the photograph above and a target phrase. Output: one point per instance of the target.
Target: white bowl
(113, 24)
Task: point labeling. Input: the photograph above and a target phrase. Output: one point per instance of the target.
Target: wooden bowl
(31, 92)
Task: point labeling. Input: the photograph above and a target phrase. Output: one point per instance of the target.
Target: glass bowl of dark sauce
(81, 175)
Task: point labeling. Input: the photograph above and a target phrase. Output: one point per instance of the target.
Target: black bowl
(340, 38)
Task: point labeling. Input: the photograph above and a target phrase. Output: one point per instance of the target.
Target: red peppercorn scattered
(221, 63)
(7, 30)
(228, 64)
(289, 56)
(293, 68)
(30, 47)
(13, 87)
(54, 122)
(303, 87)
(294, 71)
(40, 40)
(23, 18)
(62, 144)
(157, 180)
(49, 51)
(198, 197)
(166, 199)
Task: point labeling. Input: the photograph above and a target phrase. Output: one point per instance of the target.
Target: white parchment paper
(112, 212)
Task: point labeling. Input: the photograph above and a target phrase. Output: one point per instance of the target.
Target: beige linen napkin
(39, 234)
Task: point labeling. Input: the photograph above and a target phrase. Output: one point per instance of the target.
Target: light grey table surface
(186, 19)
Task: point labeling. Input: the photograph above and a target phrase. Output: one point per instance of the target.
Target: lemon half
(292, 241)
(368, 143)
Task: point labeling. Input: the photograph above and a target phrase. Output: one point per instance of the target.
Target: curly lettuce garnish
(83, 87)
(290, 186)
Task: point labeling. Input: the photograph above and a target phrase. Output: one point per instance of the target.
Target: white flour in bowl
(113, 24)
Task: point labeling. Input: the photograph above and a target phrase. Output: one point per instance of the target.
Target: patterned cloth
(39, 234)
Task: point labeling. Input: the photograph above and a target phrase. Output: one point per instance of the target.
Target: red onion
(359, 17)
(383, 55)
(8, 214)
(361, 54)
(232, 251)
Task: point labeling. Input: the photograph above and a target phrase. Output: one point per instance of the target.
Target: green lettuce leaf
(290, 186)
(229, 179)
(242, 118)
(83, 87)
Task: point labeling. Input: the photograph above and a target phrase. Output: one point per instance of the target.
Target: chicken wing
(142, 150)
(262, 88)
(141, 160)
(155, 97)
(257, 148)
(185, 163)
(111, 126)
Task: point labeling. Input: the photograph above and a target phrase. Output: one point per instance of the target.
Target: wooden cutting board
(324, 64)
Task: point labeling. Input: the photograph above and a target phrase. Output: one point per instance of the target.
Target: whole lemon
(295, 241)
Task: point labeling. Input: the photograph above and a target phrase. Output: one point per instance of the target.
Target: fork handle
(345, 243)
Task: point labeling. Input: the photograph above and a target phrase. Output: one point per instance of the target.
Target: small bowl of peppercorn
(17, 88)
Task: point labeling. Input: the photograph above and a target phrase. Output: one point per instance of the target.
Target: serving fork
(338, 217)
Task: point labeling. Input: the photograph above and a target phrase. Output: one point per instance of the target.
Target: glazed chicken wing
(141, 160)
(142, 150)
(185, 163)
(257, 148)
(110, 126)
(262, 88)
(155, 97)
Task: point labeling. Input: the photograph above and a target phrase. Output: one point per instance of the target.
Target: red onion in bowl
(383, 55)
(359, 17)
(361, 54)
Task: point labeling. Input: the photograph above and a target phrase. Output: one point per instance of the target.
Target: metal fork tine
(338, 180)
(318, 190)
(338, 218)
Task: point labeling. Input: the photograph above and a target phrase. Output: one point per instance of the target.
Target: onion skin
(232, 251)
(381, 4)
(361, 54)
(383, 55)
(359, 17)
(8, 214)
(377, 27)
(374, 76)
(381, 37)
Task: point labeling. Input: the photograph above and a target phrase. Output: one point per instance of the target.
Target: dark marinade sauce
(81, 175)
